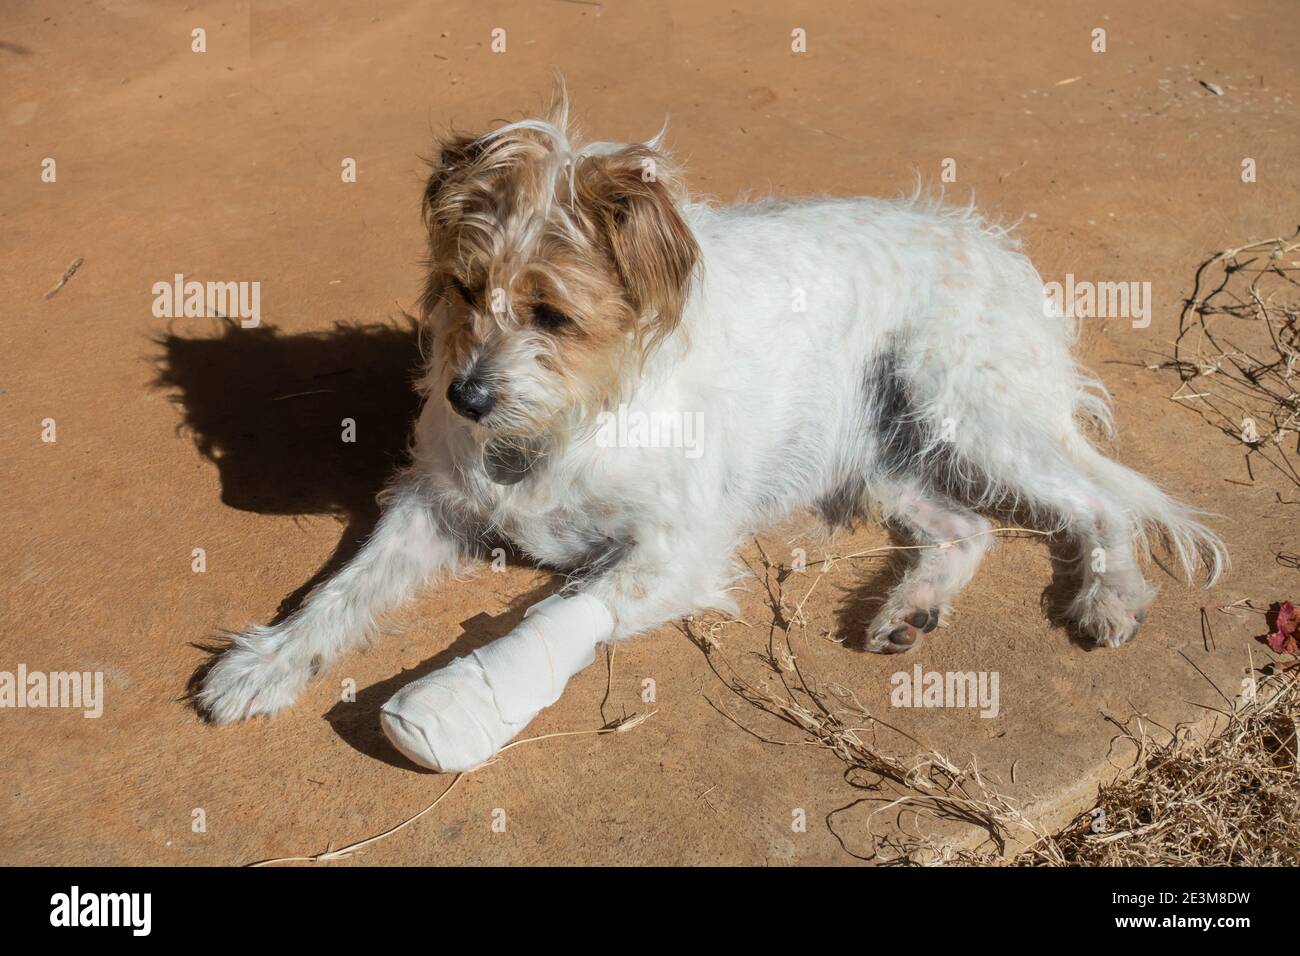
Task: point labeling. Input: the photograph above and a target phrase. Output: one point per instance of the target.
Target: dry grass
(928, 787)
(1227, 795)
(1222, 792)
(1238, 350)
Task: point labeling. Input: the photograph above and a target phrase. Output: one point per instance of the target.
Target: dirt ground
(177, 434)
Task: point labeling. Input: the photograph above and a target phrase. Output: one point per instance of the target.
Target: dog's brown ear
(630, 197)
(456, 153)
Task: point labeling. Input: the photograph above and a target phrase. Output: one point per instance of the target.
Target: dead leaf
(1283, 619)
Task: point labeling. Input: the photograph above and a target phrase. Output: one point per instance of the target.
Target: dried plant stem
(343, 852)
(1222, 793)
(1253, 397)
(68, 273)
(830, 716)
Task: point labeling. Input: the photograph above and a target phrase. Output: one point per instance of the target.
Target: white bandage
(458, 718)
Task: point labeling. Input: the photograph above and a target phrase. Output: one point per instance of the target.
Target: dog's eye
(461, 289)
(548, 318)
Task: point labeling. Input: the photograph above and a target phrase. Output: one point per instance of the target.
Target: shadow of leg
(357, 722)
(297, 424)
(861, 602)
(1067, 579)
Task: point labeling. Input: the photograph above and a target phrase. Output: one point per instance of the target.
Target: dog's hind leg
(1113, 597)
(266, 667)
(1110, 510)
(950, 540)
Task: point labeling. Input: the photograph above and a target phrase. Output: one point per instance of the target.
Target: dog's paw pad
(924, 621)
(904, 636)
(893, 638)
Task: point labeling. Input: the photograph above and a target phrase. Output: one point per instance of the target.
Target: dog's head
(554, 271)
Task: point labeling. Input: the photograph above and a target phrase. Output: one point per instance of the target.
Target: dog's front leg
(457, 718)
(266, 667)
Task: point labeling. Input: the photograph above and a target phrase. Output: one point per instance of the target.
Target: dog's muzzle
(470, 398)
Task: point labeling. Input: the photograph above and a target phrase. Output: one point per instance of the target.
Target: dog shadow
(274, 412)
(1067, 581)
(860, 602)
(269, 409)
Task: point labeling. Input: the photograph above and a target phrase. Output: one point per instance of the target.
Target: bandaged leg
(458, 717)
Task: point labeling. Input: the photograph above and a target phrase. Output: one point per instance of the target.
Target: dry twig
(1238, 349)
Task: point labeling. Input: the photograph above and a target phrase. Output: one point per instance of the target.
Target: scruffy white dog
(854, 356)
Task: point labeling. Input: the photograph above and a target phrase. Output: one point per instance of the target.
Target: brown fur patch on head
(632, 197)
(578, 258)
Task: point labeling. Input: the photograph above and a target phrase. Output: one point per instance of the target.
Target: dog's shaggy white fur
(855, 356)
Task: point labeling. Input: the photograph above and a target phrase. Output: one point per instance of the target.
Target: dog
(892, 359)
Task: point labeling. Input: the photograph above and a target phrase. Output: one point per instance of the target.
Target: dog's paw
(1111, 624)
(252, 678)
(896, 632)
(1111, 617)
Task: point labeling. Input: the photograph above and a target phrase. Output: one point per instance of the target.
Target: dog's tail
(1155, 514)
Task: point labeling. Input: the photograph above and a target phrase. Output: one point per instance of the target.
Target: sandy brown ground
(174, 435)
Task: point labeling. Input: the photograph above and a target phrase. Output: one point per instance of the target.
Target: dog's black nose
(470, 398)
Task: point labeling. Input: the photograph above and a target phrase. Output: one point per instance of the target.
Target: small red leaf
(1284, 620)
